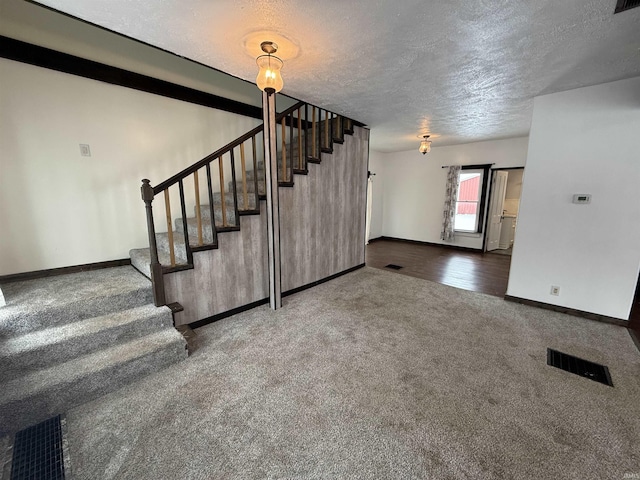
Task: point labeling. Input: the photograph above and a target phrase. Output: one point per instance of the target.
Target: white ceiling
(460, 70)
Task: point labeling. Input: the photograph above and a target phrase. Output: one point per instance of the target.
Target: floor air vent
(623, 5)
(393, 267)
(584, 368)
(37, 452)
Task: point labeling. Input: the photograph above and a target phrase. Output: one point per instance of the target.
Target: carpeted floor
(375, 375)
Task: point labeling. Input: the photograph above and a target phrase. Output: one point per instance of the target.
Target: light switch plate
(85, 151)
(582, 198)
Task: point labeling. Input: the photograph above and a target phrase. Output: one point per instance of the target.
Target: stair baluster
(300, 167)
(313, 142)
(214, 232)
(245, 195)
(236, 222)
(338, 132)
(183, 209)
(222, 195)
(255, 172)
(306, 135)
(292, 160)
(327, 127)
(167, 209)
(196, 187)
(283, 178)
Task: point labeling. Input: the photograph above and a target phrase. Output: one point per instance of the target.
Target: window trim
(486, 168)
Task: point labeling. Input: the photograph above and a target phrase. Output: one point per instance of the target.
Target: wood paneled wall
(322, 217)
(233, 275)
(322, 230)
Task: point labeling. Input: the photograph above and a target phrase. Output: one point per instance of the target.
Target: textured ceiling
(460, 70)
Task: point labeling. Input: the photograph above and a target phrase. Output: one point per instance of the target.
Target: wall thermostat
(582, 198)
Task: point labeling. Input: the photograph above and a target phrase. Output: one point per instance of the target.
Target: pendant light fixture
(269, 78)
(425, 145)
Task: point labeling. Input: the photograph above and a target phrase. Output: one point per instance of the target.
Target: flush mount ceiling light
(425, 144)
(269, 78)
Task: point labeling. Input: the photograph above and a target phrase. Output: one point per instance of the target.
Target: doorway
(634, 316)
(502, 213)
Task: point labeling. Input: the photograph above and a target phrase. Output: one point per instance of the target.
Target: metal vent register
(578, 366)
(38, 452)
(623, 5)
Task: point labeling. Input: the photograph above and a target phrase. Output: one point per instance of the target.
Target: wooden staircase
(227, 185)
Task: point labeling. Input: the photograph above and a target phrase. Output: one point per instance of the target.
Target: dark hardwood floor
(479, 272)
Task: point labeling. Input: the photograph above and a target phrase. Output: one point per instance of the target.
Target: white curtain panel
(449, 211)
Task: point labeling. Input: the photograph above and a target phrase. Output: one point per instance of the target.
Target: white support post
(273, 212)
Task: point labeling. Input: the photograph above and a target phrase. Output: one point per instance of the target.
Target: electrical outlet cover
(85, 151)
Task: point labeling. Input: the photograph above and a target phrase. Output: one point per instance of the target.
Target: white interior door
(369, 206)
(496, 206)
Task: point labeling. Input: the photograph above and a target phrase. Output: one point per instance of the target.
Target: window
(470, 201)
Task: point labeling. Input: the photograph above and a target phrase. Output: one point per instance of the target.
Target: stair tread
(56, 291)
(66, 373)
(37, 339)
(141, 260)
(62, 299)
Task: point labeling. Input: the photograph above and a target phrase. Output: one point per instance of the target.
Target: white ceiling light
(269, 78)
(425, 145)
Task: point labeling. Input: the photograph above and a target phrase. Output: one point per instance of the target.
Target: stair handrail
(221, 151)
(285, 117)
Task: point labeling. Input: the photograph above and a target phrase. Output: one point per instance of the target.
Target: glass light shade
(269, 78)
(425, 146)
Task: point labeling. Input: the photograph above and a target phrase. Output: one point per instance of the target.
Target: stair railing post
(273, 218)
(157, 279)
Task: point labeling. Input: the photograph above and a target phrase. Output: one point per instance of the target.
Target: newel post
(157, 279)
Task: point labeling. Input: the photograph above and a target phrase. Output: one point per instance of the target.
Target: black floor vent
(394, 267)
(584, 368)
(37, 452)
(623, 5)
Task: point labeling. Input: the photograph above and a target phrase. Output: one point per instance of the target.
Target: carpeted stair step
(179, 250)
(47, 392)
(43, 348)
(251, 188)
(251, 185)
(58, 300)
(207, 234)
(192, 227)
(141, 260)
(217, 213)
(251, 173)
(141, 257)
(228, 199)
(217, 200)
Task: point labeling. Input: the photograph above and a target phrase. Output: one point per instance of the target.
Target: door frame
(488, 206)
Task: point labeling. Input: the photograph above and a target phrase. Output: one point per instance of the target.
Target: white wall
(414, 186)
(582, 141)
(58, 208)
